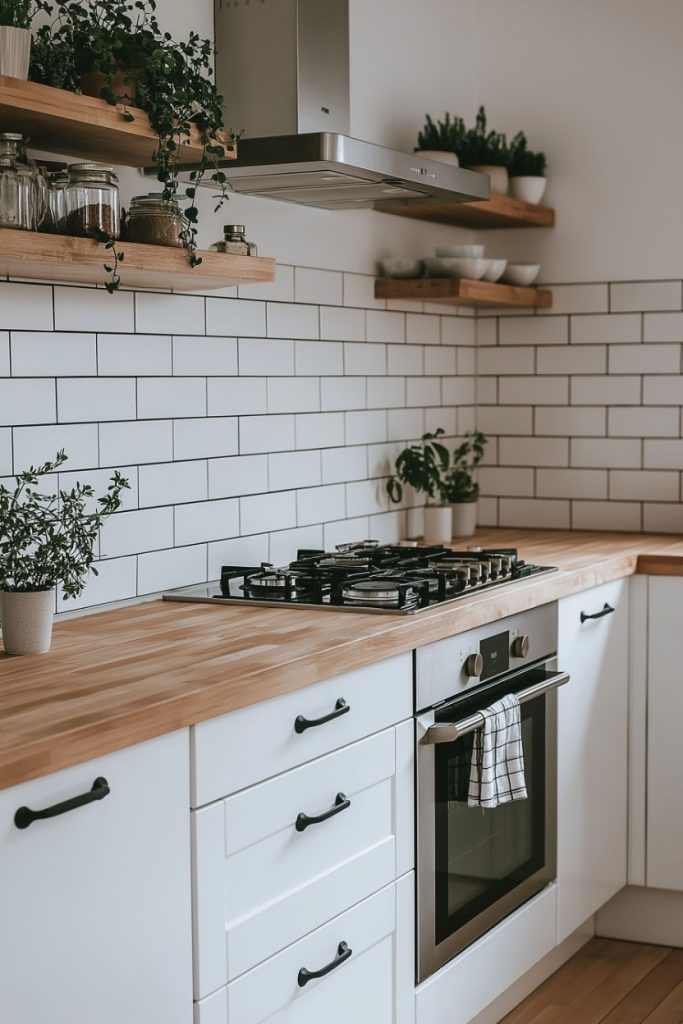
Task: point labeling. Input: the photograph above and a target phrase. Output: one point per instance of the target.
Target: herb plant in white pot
(424, 467)
(486, 152)
(15, 35)
(461, 489)
(527, 171)
(46, 540)
(441, 141)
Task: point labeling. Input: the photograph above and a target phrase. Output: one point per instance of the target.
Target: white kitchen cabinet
(592, 752)
(664, 835)
(95, 912)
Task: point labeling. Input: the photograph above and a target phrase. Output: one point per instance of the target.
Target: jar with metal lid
(55, 217)
(155, 220)
(234, 242)
(23, 188)
(92, 200)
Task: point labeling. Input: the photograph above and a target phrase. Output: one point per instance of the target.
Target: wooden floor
(610, 982)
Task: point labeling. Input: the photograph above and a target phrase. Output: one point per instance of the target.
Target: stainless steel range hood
(283, 66)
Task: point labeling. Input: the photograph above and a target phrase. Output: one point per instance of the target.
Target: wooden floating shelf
(36, 256)
(81, 126)
(463, 292)
(497, 212)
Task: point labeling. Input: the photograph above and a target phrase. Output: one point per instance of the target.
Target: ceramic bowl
(459, 251)
(452, 266)
(494, 270)
(522, 274)
(402, 268)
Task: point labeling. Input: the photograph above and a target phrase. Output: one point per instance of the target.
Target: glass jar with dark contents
(155, 220)
(92, 200)
(55, 218)
(234, 241)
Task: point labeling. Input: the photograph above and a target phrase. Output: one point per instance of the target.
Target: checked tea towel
(497, 768)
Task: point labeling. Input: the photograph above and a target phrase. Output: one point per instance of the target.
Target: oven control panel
(495, 655)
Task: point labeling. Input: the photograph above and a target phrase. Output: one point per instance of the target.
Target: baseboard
(540, 972)
(643, 915)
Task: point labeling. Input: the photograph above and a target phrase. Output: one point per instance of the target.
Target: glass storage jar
(55, 218)
(155, 220)
(92, 200)
(23, 188)
(234, 242)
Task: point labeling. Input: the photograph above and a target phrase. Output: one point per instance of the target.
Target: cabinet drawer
(361, 989)
(260, 884)
(258, 742)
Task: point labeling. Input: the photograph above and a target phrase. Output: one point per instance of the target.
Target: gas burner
(269, 583)
(386, 591)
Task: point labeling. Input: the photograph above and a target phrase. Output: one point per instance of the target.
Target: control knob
(474, 666)
(520, 646)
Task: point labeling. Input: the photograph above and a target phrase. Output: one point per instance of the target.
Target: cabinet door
(95, 914)
(665, 746)
(592, 752)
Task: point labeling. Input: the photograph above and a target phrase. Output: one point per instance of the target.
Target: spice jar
(235, 242)
(155, 220)
(55, 218)
(92, 200)
(23, 188)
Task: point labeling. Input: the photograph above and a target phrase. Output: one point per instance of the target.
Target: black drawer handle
(341, 803)
(343, 953)
(25, 816)
(607, 610)
(301, 724)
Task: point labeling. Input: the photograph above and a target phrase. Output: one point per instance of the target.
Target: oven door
(476, 865)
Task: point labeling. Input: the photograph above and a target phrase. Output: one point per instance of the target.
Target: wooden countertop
(120, 677)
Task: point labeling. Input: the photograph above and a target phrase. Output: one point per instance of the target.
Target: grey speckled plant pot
(26, 620)
(15, 51)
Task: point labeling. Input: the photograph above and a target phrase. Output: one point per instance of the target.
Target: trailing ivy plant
(109, 242)
(524, 161)
(446, 135)
(20, 13)
(49, 539)
(480, 146)
(460, 484)
(423, 467)
(171, 81)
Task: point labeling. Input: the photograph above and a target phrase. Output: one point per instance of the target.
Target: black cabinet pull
(341, 803)
(607, 610)
(25, 816)
(301, 724)
(343, 953)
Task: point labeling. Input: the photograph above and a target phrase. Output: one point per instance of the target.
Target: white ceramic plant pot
(442, 155)
(438, 524)
(498, 176)
(414, 523)
(15, 51)
(528, 187)
(26, 620)
(464, 518)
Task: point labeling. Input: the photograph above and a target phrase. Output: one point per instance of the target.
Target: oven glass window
(483, 853)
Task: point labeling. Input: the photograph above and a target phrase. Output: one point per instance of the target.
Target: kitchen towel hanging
(497, 767)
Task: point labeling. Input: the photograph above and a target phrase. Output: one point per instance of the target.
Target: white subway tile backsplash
(205, 437)
(423, 391)
(235, 318)
(367, 427)
(386, 392)
(663, 518)
(167, 397)
(136, 442)
(586, 421)
(289, 470)
(662, 454)
(320, 504)
(26, 307)
(617, 453)
(533, 390)
(35, 445)
(447, 419)
(100, 480)
(342, 393)
(318, 286)
(247, 550)
(289, 320)
(579, 298)
(423, 329)
(6, 467)
(342, 464)
(169, 314)
(204, 356)
(486, 390)
(236, 396)
(206, 520)
(116, 580)
(645, 358)
(508, 482)
(663, 327)
(404, 425)
(606, 329)
(405, 359)
(645, 421)
(4, 354)
(340, 531)
(265, 512)
(284, 544)
(466, 361)
(84, 309)
(366, 497)
(663, 391)
(507, 420)
(359, 290)
(241, 474)
(529, 513)
(294, 394)
(645, 295)
(128, 533)
(367, 358)
(612, 390)
(173, 483)
(533, 330)
(261, 356)
(52, 355)
(133, 355)
(320, 430)
(440, 360)
(571, 359)
(279, 290)
(614, 516)
(464, 331)
(266, 434)
(318, 358)
(571, 483)
(170, 569)
(505, 360)
(533, 451)
(340, 324)
(385, 326)
(86, 400)
(644, 485)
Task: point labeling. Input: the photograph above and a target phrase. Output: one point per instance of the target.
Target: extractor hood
(283, 66)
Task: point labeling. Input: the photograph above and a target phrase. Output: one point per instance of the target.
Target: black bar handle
(25, 816)
(341, 803)
(301, 724)
(607, 610)
(343, 953)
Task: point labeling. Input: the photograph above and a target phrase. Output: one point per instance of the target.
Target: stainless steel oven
(475, 865)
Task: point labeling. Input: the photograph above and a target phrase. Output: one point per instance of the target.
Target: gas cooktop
(398, 579)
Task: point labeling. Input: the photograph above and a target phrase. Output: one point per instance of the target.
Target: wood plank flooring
(609, 982)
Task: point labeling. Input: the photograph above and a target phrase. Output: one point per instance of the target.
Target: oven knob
(474, 666)
(520, 646)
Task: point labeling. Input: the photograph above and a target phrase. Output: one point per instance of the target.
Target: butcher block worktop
(119, 677)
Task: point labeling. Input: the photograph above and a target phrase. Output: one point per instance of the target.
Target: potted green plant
(424, 467)
(486, 152)
(461, 489)
(46, 540)
(526, 170)
(15, 35)
(441, 141)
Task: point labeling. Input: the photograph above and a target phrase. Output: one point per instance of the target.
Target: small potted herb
(46, 540)
(424, 467)
(461, 489)
(442, 140)
(486, 152)
(15, 35)
(526, 170)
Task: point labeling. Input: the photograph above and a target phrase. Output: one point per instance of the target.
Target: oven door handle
(447, 732)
